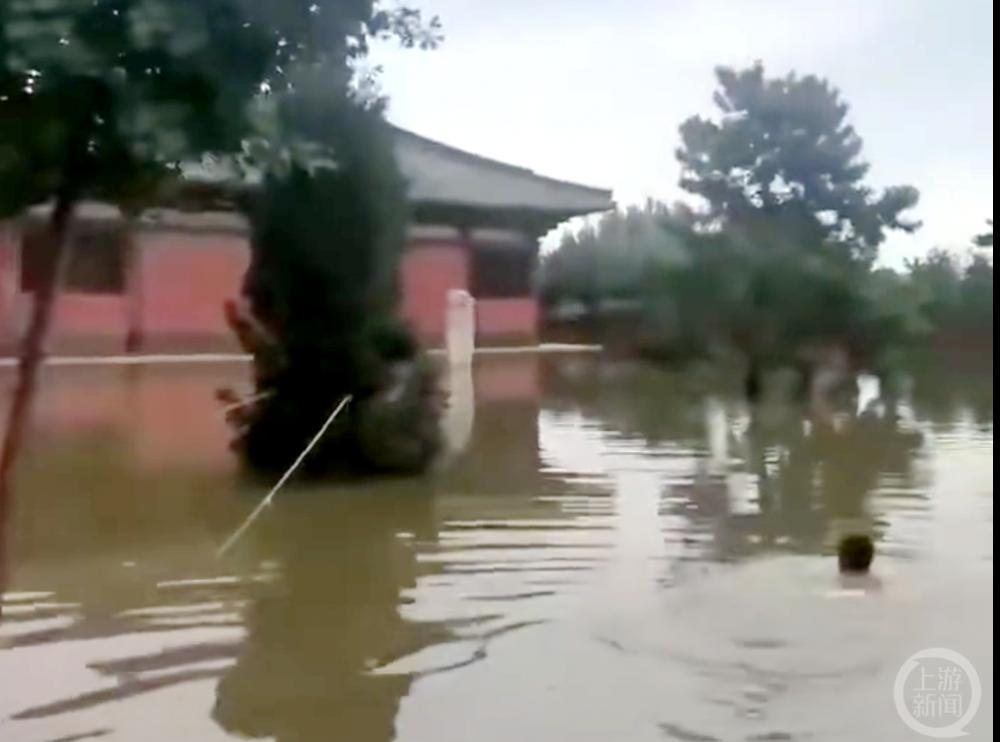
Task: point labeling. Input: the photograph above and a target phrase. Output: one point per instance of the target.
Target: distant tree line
(776, 262)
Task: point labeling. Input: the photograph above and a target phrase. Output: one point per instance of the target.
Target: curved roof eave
(441, 174)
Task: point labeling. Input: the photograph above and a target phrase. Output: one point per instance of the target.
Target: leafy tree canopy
(104, 98)
(986, 238)
(782, 149)
(610, 258)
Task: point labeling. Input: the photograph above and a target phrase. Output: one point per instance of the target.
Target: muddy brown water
(607, 552)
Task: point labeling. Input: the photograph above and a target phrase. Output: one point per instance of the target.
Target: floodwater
(608, 552)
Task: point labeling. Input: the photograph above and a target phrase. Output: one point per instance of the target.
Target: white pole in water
(460, 327)
(284, 478)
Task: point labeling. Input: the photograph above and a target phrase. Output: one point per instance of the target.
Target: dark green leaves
(101, 94)
(783, 147)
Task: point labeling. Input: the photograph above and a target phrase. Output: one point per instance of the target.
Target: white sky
(593, 91)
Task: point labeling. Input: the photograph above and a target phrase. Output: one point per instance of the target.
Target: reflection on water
(314, 634)
(609, 552)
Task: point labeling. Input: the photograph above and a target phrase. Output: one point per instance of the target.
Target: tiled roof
(440, 174)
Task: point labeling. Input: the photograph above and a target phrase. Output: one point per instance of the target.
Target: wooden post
(33, 347)
(133, 289)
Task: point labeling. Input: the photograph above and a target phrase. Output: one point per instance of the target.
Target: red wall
(80, 322)
(509, 320)
(180, 279)
(183, 280)
(92, 315)
(431, 269)
(428, 272)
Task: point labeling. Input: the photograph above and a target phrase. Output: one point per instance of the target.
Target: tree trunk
(33, 347)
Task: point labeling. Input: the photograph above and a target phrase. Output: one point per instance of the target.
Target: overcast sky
(593, 91)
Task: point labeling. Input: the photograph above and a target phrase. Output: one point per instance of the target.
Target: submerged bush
(319, 315)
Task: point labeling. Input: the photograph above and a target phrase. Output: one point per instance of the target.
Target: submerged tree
(783, 183)
(320, 290)
(782, 149)
(327, 232)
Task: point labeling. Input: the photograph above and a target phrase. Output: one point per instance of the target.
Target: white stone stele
(460, 327)
(459, 412)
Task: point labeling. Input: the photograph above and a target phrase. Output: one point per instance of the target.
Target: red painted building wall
(177, 281)
(81, 322)
(429, 271)
(182, 281)
(84, 321)
(511, 320)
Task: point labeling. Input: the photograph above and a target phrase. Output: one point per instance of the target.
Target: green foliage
(611, 258)
(338, 224)
(977, 294)
(328, 227)
(986, 238)
(699, 293)
(782, 164)
(325, 252)
(786, 203)
(777, 264)
(938, 282)
(324, 246)
(957, 299)
(101, 98)
(106, 98)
